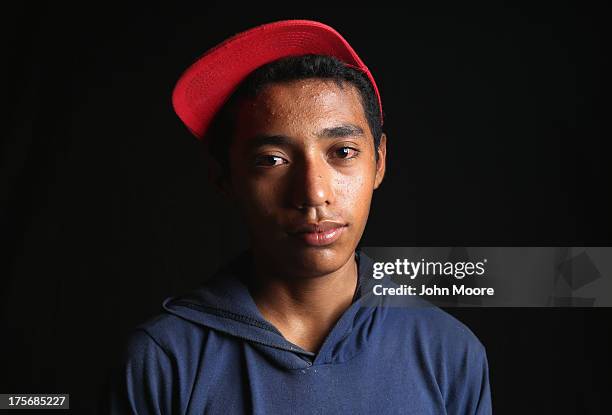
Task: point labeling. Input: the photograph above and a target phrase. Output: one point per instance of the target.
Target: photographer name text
(433, 290)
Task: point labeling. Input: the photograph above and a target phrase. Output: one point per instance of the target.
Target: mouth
(319, 234)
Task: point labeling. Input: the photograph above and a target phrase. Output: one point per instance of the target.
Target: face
(302, 171)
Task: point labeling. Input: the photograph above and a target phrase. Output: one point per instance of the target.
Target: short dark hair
(292, 68)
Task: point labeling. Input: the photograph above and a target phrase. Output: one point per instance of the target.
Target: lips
(319, 234)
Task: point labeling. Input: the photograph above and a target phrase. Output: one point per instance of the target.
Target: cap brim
(209, 82)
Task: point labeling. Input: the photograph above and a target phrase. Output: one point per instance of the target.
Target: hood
(225, 304)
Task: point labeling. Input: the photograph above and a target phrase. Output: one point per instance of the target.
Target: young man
(293, 121)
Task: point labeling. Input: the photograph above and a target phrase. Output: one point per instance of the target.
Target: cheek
(259, 198)
(354, 192)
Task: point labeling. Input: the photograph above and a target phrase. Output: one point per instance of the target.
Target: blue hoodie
(212, 352)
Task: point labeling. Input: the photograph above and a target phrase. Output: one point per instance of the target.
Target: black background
(495, 119)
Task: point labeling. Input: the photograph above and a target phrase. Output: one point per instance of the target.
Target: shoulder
(451, 352)
(169, 333)
(438, 336)
(156, 370)
(461, 365)
(440, 326)
(422, 317)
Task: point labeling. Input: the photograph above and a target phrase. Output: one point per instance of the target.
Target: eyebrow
(340, 131)
(344, 130)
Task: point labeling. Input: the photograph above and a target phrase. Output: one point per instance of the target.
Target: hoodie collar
(225, 304)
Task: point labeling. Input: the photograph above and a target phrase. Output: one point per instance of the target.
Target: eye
(346, 153)
(267, 160)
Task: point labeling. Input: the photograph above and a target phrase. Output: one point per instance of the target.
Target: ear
(219, 178)
(382, 160)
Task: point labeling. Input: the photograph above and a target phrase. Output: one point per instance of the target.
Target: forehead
(307, 104)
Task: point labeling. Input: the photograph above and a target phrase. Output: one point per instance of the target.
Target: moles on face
(302, 171)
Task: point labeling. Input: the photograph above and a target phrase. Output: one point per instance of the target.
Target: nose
(312, 183)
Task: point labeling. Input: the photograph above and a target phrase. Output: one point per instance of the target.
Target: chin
(313, 262)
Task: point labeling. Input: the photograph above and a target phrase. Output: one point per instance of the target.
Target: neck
(303, 309)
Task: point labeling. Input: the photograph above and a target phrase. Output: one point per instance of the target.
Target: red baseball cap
(209, 82)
